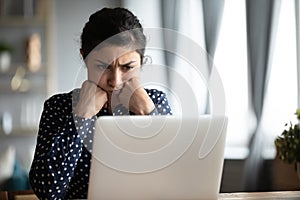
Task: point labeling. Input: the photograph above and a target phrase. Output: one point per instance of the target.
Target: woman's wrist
(144, 108)
(83, 113)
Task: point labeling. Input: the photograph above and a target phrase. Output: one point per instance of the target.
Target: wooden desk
(289, 195)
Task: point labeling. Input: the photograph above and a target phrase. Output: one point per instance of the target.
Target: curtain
(262, 19)
(297, 15)
(200, 21)
(213, 12)
(185, 20)
(170, 20)
(212, 15)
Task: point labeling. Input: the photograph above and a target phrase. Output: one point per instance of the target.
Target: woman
(113, 45)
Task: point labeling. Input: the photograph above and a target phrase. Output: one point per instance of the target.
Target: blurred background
(254, 44)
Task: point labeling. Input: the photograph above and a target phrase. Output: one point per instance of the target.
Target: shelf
(23, 12)
(36, 82)
(34, 89)
(21, 21)
(13, 68)
(21, 131)
(22, 91)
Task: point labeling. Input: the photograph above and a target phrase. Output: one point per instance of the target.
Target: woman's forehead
(109, 54)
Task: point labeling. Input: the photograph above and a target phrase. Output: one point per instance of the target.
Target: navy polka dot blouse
(61, 164)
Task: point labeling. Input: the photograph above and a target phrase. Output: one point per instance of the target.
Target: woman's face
(111, 66)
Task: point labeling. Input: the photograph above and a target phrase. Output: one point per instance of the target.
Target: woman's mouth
(115, 91)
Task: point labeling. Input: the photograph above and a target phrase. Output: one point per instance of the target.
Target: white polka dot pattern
(60, 169)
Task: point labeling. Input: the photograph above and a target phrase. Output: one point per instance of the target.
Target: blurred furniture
(285, 176)
(18, 195)
(233, 176)
(261, 195)
(25, 25)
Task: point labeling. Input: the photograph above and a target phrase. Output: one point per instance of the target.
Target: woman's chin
(113, 92)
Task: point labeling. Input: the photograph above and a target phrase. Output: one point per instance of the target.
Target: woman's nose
(115, 79)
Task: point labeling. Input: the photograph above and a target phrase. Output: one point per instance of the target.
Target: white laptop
(157, 157)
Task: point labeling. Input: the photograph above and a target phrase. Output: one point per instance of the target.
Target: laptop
(157, 157)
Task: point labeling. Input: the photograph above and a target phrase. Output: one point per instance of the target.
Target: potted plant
(288, 144)
(5, 56)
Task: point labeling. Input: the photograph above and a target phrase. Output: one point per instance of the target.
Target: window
(231, 62)
(281, 94)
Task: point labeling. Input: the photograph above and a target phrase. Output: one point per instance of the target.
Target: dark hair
(108, 22)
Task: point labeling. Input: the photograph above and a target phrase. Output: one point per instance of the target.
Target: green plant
(288, 144)
(5, 47)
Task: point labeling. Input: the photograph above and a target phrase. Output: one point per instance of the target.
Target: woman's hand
(134, 97)
(92, 99)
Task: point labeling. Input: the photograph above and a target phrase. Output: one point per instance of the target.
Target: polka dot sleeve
(160, 101)
(58, 149)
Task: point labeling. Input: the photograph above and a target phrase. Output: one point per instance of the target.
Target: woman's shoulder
(62, 97)
(154, 92)
(157, 96)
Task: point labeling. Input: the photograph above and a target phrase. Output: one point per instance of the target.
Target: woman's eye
(127, 67)
(102, 67)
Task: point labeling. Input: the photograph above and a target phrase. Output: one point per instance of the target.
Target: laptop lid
(157, 157)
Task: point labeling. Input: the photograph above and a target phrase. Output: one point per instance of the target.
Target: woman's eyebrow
(128, 63)
(102, 62)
